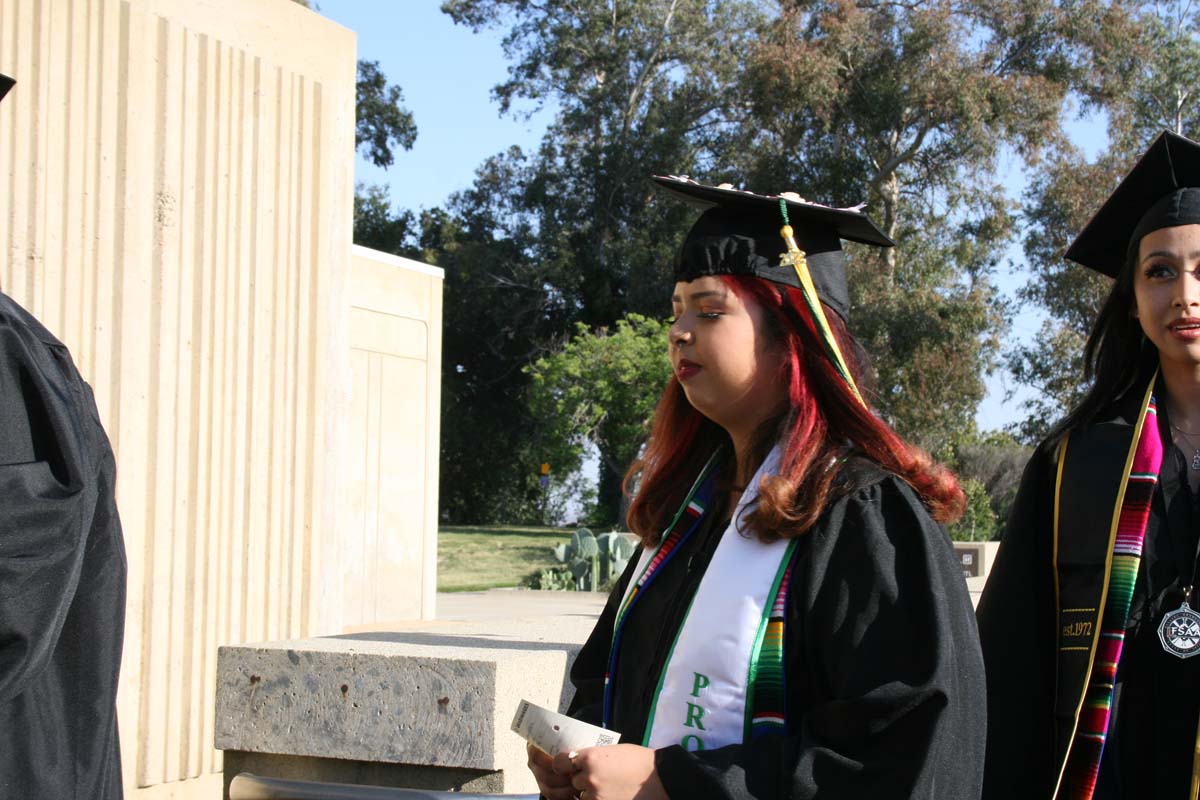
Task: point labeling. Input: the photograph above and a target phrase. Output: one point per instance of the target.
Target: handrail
(245, 786)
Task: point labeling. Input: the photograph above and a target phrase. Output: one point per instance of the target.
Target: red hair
(824, 422)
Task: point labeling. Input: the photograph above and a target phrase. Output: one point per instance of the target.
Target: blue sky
(447, 73)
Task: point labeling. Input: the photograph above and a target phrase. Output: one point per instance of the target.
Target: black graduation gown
(884, 674)
(62, 575)
(1152, 729)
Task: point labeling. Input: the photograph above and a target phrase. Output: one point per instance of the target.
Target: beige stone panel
(206, 787)
(395, 339)
(391, 335)
(403, 475)
(358, 539)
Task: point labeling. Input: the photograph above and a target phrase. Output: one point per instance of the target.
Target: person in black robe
(62, 573)
(884, 682)
(1040, 613)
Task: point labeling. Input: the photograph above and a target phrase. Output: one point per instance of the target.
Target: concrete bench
(252, 787)
(426, 708)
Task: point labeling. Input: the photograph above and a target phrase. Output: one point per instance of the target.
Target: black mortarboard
(738, 233)
(6, 83)
(1161, 191)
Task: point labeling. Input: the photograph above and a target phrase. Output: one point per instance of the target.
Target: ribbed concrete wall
(175, 203)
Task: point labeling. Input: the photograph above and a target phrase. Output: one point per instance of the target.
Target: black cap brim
(6, 83)
(1171, 163)
(850, 224)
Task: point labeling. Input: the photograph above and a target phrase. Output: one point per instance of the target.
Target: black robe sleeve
(885, 678)
(62, 574)
(587, 673)
(1016, 626)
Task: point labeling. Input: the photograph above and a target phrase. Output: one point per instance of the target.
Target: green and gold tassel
(794, 257)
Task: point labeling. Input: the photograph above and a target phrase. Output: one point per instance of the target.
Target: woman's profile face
(1166, 290)
(723, 356)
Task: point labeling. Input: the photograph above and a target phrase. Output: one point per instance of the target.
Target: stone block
(441, 698)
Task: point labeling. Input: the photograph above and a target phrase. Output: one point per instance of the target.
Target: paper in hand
(553, 733)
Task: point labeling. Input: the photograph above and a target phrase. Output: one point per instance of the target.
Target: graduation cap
(1161, 191)
(6, 83)
(781, 238)
(738, 233)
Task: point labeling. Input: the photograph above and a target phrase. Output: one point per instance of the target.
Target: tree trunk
(891, 207)
(610, 506)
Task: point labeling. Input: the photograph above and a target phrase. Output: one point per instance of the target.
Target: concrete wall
(389, 545)
(176, 182)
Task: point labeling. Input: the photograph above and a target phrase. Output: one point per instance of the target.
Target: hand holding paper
(553, 733)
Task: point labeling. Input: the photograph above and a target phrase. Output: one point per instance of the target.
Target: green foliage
(907, 106)
(599, 387)
(1059, 201)
(932, 343)
(381, 122)
(592, 563)
(638, 88)
(978, 522)
(1144, 61)
(996, 463)
(378, 226)
(496, 317)
(554, 579)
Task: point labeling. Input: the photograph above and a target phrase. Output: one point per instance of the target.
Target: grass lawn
(472, 558)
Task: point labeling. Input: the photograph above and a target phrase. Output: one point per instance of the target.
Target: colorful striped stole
(687, 519)
(1087, 747)
(767, 710)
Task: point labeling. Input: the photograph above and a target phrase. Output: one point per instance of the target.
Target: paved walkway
(512, 615)
(509, 604)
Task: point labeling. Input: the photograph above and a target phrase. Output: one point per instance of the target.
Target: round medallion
(1179, 632)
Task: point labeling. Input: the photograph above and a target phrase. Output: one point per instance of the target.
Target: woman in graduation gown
(795, 625)
(1086, 619)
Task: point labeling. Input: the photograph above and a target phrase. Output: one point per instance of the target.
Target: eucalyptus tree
(636, 88)
(1142, 74)
(909, 106)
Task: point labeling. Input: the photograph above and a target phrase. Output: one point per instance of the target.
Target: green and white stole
(723, 679)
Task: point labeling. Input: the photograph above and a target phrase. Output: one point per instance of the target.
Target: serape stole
(687, 520)
(768, 693)
(1087, 747)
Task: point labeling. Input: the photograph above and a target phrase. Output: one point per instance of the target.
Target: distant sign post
(544, 481)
